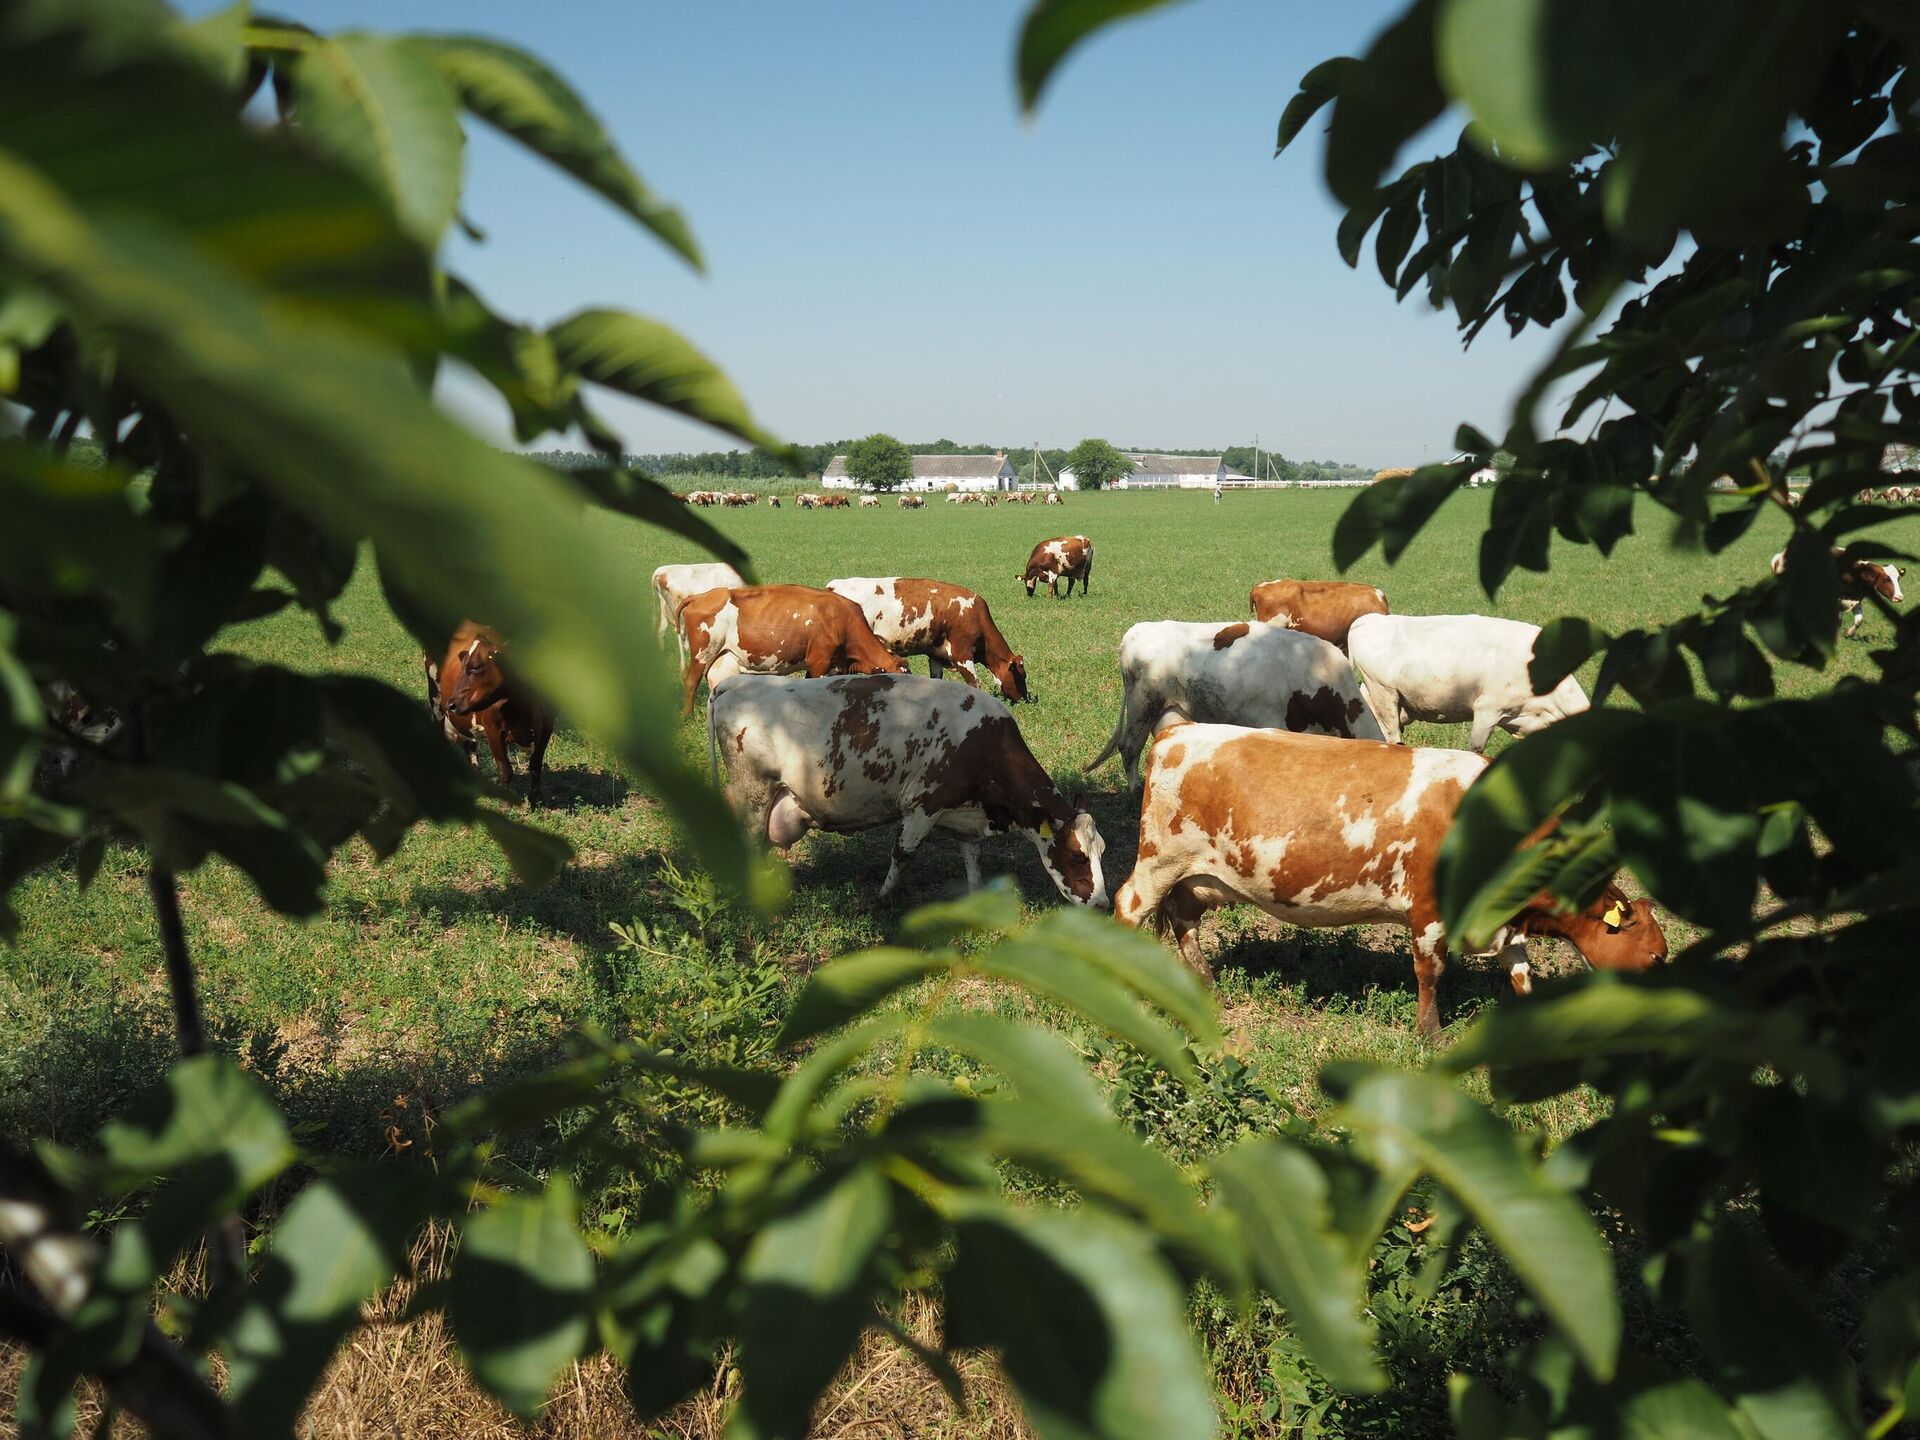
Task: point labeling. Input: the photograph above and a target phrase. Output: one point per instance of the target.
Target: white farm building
(938, 472)
(1163, 472)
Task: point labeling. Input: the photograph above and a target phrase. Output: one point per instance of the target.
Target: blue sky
(892, 247)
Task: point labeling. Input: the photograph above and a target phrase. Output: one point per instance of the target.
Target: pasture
(436, 972)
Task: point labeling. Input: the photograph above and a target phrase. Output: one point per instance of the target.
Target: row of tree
(761, 465)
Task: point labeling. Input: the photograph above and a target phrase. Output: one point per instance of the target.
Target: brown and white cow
(834, 502)
(869, 502)
(1242, 673)
(1054, 498)
(776, 630)
(1065, 557)
(807, 501)
(851, 753)
(773, 502)
(1326, 608)
(913, 502)
(674, 585)
(1321, 832)
(1858, 579)
(948, 624)
(1448, 668)
(476, 692)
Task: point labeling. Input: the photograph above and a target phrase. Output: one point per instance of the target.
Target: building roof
(935, 467)
(1175, 464)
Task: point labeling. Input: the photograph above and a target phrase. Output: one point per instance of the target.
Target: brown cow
(776, 630)
(1323, 608)
(833, 502)
(946, 623)
(1327, 832)
(1066, 556)
(475, 691)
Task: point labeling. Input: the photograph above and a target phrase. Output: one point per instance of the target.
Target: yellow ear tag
(1614, 916)
(1046, 830)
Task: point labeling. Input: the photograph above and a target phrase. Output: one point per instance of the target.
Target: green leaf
(848, 987)
(1683, 817)
(526, 100)
(651, 362)
(1572, 867)
(341, 1241)
(1091, 990)
(381, 109)
(1139, 962)
(71, 531)
(206, 1110)
(1545, 1234)
(1279, 1197)
(1385, 100)
(1563, 647)
(1053, 28)
(807, 1276)
(992, 909)
(1090, 1323)
(630, 493)
(520, 1294)
(536, 855)
(1041, 1065)
(349, 441)
(1317, 87)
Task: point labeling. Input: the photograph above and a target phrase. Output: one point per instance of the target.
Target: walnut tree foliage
(1096, 464)
(1715, 207)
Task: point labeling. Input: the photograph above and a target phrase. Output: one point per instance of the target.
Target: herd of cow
(1273, 773)
(812, 501)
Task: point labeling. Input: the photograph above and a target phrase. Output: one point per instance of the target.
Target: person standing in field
(1216, 492)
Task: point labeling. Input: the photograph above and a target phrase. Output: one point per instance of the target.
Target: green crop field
(436, 972)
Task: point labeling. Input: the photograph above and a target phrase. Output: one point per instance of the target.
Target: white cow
(846, 753)
(1231, 673)
(1449, 668)
(674, 585)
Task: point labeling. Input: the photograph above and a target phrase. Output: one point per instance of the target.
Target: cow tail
(1119, 729)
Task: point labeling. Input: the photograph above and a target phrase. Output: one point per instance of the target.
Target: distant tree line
(758, 465)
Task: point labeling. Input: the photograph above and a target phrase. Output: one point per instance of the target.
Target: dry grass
(401, 1379)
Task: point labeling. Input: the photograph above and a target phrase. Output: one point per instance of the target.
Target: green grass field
(436, 972)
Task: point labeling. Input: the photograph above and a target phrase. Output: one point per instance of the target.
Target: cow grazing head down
(1612, 933)
(1013, 680)
(1071, 856)
(1037, 575)
(479, 682)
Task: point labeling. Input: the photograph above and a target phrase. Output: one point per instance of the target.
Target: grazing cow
(1321, 832)
(674, 585)
(954, 498)
(1858, 579)
(476, 691)
(1230, 674)
(869, 502)
(1326, 608)
(777, 629)
(851, 753)
(1449, 668)
(807, 502)
(1053, 498)
(1068, 557)
(834, 502)
(946, 623)
(773, 501)
(912, 502)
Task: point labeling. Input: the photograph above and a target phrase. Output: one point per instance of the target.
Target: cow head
(479, 681)
(1013, 679)
(1889, 583)
(1071, 854)
(1614, 933)
(1037, 575)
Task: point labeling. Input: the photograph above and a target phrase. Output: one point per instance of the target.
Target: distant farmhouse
(1164, 472)
(938, 472)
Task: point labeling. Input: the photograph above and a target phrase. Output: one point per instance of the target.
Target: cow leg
(1429, 964)
(537, 759)
(970, 857)
(1385, 705)
(696, 671)
(496, 734)
(1183, 910)
(936, 667)
(914, 828)
(1484, 723)
(962, 668)
(1857, 611)
(1519, 967)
